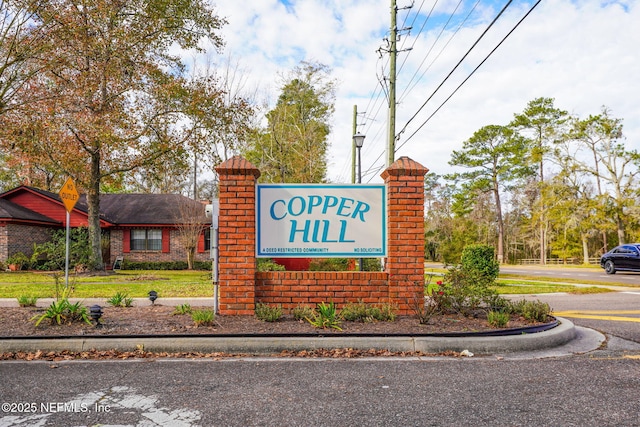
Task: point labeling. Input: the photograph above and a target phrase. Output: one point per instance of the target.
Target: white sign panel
(317, 220)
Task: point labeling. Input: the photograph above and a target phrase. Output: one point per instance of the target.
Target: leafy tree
(112, 87)
(293, 148)
(494, 156)
(614, 167)
(23, 49)
(542, 123)
(438, 215)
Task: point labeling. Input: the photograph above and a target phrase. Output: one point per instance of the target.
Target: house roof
(12, 211)
(117, 209)
(129, 209)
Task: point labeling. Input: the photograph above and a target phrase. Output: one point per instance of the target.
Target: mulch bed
(161, 320)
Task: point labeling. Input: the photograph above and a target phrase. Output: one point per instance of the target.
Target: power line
(373, 169)
(457, 65)
(409, 87)
(471, 74)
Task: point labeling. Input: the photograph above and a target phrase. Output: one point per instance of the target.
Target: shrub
(182, 309)
(479, 262)
(267, 264)
(120, 299)
(19, 260)
(51, 255)
(301, 312)
(268, 313)
(355, 312)
(27, 301)
(329, 264)
(496, 302)
(462, 292)
(498, 319)
(372, 264)
(425, 309)
(361, 312)
(325, 316)
(342, 264)
(536, 311)
(164, 265)
(203, 317)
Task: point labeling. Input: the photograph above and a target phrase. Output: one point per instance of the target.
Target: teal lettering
(329, 202)
(361, 209)
(316, 229)
(325, 232)
(272, 210)
(304, 231)
(343, 231)
(343, 205)
(313, 202)
(302, 206)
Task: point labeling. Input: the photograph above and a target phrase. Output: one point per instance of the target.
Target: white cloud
(580, 53)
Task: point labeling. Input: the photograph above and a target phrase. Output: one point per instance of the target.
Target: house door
(106, 248)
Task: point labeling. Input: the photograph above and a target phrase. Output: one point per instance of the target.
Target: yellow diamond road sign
(69, 194)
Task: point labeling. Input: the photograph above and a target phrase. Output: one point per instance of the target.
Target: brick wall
(21, 238)
(405, 248)
(4, 243)
(176, 250)
(241, 286)
(237, 236)
(292, 288)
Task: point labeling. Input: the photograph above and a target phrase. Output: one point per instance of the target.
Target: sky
(584, 54)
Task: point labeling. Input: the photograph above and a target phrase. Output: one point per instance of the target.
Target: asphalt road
(598, 388)
(616, 314)
(575, 391)
(586, 274)
(559, 273)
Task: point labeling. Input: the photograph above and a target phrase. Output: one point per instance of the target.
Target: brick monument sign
(241, 286)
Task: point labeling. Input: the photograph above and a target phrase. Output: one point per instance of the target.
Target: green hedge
(164, 265)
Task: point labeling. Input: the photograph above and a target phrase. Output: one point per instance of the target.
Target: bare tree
(190, 222)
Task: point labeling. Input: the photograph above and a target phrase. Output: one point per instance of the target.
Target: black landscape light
(153, 296)
(95, 311)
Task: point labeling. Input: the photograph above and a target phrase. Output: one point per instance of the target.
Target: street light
(358, 140)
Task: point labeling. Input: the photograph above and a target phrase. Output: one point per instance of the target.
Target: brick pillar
(237, 236)
(405, 254)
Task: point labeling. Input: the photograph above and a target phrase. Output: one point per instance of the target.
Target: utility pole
(393, 53)
(353, 144)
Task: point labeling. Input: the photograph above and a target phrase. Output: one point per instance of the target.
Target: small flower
(439, 282)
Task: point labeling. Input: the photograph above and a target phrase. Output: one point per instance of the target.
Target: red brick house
(138, 227)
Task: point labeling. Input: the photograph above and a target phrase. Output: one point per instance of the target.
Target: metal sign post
(69, 196)
(214, 210)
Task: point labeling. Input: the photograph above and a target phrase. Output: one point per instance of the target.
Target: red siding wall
(48, 208)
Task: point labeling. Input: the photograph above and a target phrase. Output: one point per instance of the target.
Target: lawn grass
(136, 284)
(509, 284)
(510, 287)
(195, 284)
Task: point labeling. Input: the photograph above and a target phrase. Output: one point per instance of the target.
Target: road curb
(558, 336)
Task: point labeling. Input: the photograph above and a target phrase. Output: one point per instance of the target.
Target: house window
(149, 239)
(207, 238)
